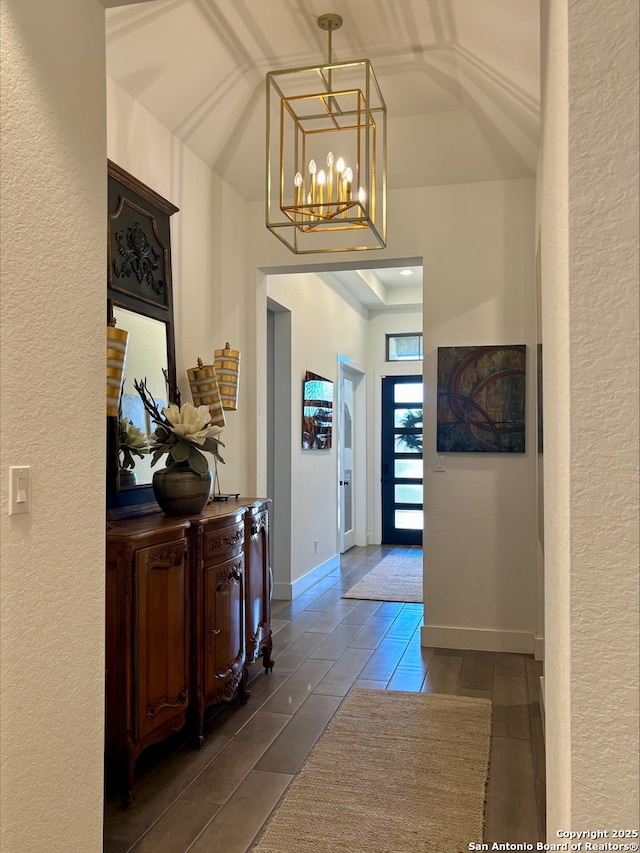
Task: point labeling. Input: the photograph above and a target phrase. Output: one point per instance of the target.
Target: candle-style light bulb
(348, 177)
(312, 173)
(322, 180)
(298, 185)
(330, 178)
(361, 195)
(339, 181)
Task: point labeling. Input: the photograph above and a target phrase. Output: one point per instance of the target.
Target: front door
(402, 484)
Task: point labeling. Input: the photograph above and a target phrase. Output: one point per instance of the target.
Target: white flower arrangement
(131, 442)
(182, 432)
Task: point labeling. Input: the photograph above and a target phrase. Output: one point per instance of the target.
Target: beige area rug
(393, 579)
(394, 772)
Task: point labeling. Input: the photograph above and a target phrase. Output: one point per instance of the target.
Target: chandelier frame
(312, 111)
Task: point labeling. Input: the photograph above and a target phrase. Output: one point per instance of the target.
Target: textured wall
(603, 305)
(555, 323)
(52, 417)
(590, 331)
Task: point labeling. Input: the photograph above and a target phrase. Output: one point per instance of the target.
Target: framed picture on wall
(317, 412)
(481, 396)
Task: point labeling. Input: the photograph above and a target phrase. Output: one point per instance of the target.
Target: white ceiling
(460, 79)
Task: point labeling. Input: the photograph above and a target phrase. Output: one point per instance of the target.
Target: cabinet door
(161, 639)
(223, 620)
(258, 582)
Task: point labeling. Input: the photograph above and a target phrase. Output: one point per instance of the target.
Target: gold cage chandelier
(327, 155)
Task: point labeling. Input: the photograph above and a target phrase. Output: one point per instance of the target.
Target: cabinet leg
(127, 777)
(243, 693)
(198, 735)
(265, 653)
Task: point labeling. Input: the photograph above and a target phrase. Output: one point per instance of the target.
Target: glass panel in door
(346, 462)
(402, 474)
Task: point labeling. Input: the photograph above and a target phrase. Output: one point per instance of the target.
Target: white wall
(480, 538)
(477, 242)
(209, 272)
(589, 238)
(52, 417)
(323, 325)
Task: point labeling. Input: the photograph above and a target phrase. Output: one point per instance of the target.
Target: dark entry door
(402, 485)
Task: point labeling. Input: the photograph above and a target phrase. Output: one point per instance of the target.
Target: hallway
(218, 798)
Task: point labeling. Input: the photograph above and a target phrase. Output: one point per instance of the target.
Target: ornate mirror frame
(138, 280)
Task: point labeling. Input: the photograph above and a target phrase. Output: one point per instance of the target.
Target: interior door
(346, 462)
(402, 473)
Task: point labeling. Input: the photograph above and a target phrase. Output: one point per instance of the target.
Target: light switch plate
(438, 463)
(19, 489)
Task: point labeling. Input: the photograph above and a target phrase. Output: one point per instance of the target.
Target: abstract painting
(481, 394)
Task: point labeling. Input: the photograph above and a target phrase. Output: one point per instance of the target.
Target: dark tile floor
(218, 798)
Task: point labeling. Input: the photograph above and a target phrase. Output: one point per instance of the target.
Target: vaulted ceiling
(460, 78)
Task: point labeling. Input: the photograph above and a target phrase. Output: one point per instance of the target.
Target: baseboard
(289, 591)
(478, 639)
(538, 648)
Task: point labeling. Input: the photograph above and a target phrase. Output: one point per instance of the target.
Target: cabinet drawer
(219, 540)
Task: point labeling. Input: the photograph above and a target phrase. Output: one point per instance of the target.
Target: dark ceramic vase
(181, 491)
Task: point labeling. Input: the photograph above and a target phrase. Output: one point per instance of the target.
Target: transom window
(406, 346)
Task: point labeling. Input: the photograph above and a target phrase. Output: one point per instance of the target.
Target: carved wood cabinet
(187, 608)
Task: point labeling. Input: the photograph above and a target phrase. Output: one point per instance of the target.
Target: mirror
(139, 298)
(146, 359)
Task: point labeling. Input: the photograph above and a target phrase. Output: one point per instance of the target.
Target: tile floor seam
(251, 768)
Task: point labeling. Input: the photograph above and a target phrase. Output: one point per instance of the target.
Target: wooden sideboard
(187, 610)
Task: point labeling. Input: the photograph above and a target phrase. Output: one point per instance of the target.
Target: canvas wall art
(481, 398)
(317, 412)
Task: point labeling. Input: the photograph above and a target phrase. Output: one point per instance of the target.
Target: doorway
(401, 463)
(346, 490)
(351, 456)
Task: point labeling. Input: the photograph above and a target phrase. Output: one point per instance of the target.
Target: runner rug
(393, 579)
(394, 772)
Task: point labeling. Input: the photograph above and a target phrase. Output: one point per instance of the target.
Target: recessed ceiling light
(406, 272)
